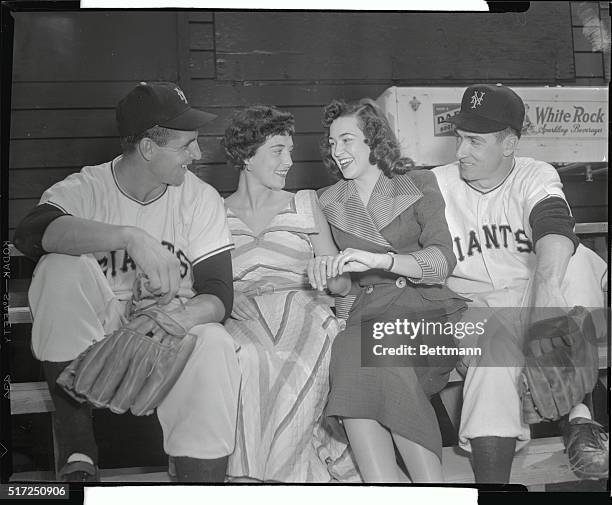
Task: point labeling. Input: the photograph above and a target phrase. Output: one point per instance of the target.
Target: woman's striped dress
(284, 355)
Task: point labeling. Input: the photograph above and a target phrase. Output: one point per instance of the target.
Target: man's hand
(244, 308)
(160, 266)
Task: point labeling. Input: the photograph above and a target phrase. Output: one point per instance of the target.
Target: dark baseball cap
(158, 104)
(488, 108)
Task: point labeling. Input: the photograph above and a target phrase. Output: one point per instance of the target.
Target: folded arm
(46, 229)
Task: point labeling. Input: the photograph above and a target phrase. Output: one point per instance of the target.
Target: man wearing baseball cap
(145, 213)
(513, 238)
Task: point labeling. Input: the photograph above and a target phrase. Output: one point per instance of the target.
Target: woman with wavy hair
(389, 221)
(284, 327)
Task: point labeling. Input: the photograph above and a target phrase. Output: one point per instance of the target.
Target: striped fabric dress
(284, 355)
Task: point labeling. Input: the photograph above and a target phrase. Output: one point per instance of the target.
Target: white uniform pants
(73, 306)
(491, 401)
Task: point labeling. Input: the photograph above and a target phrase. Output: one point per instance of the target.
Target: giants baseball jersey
(188, 219)
(490, 230)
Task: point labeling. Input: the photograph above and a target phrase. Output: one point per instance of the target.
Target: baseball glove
(130, 370)
(561, 365)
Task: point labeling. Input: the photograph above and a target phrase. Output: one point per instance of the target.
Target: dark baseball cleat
(79, 471)
(587, 446)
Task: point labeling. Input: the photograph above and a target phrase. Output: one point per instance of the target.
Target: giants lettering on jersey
(495, 237)
(119, 262)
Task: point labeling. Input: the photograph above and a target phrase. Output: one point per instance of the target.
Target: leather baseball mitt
(130, 370)
(561, 365)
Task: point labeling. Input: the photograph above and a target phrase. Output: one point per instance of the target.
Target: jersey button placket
(481, 215)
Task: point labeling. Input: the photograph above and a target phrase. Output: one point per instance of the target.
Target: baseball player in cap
(142, 212)
(513, 237)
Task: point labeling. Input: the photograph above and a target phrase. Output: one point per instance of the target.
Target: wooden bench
(541, 462)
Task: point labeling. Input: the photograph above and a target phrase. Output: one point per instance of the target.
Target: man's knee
(491, 383)
(59, 271)
(214, 340)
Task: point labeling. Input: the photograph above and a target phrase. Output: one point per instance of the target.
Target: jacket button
(400, 282)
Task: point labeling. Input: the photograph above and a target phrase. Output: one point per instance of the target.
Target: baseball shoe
(79, 471)
(587, 446)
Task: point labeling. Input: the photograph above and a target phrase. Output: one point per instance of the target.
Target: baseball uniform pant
(74, 306)
(491, 401)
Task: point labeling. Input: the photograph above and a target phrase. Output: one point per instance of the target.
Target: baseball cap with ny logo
(158, 104)
(487, 108)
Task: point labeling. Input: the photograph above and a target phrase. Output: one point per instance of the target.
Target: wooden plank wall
(71, 68)
(69, 71)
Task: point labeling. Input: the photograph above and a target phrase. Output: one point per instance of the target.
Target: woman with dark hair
(284, 327)
(389, 220)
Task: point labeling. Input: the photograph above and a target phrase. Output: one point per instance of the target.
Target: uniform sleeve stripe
(433, 264)
(226, 247)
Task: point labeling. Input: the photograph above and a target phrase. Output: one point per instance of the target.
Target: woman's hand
(320, 269)
(244, 307)
(356, 260)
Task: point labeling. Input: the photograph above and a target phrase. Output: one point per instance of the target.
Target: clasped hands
(323, 268)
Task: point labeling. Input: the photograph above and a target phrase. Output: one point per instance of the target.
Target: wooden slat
(18, 292)
(68, 95)
(201, 16)
(205, 93)
(584, 228)
(81, 45)
(19, 315)
(33, 124)
(589, 64)
(356, 45)
(37, 153)
(307, 119)
(182, 55)
(30, 398)
(73, 123)
(202, 64)
(61, 152)
(201, 36)
(244, 93)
